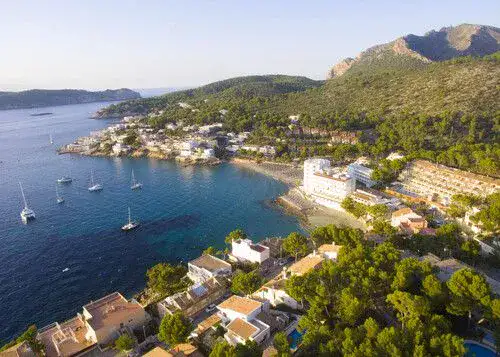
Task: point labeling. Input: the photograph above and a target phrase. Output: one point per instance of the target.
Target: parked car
(210, 308)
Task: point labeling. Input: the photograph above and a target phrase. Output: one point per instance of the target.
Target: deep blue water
(476, 350)
(182, 211)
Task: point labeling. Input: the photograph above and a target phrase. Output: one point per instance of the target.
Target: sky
(98, 44)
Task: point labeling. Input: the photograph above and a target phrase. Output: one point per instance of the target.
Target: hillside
(414, 51)
(37, 98)
(240, 87)
(467, 85)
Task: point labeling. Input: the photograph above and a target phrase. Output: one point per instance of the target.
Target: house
(180, 350)
(362, 174)
(370, 197)
(410, 222)
(22, 349)
(325, 186)
(206, 267)
(195, 299)
(306, 264)
(344, 137)
(246, 250)
(275, 294)
(240, 317)
(439, 182)
(329, 251)
(106, 317)
(66, 339)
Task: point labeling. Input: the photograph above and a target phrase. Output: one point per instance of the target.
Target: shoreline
(310, 214)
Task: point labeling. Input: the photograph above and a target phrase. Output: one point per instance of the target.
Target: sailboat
(50, 137)
(131, 224)
(135, 184)
(27, 213)
(94, 186)
(65, 179)
(59, 198)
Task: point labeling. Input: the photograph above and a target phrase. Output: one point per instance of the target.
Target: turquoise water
(475, 350)
(182, 211)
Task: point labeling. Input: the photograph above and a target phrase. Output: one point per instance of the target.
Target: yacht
(65, 179)
(135, 184)
(59, 198)
(27, 214)
(131, 224)
(94, 187)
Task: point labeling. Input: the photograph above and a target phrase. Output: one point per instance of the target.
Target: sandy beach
(312, 214)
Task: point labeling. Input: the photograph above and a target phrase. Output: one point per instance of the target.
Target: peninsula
(37, 98)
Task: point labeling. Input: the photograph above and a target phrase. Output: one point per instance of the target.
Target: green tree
(210, 251)
(234, 235)
(435, 291)
(470, 250)
(166, 279)
(249, 349)
(124, 343)
(469, 292)
(246, 283)
(223, 349)
(410, 273)
(175, 329)
(296, 245)
(281, 344)
(447, 345)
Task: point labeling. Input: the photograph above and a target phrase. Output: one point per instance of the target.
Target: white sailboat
(131, 224)
(27, 213)
(94, 186)
(59, 198)
(50, 138)
(135, 184)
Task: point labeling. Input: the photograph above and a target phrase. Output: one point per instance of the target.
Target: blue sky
(145, 44)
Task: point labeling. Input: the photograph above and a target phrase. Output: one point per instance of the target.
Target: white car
(210, 308)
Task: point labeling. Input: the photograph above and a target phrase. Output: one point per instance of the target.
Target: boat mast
(129, 220)
(91, 178)
(133, 177)
(24, 198)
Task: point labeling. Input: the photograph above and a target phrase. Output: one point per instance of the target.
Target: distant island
(40, 114)
(37, 98)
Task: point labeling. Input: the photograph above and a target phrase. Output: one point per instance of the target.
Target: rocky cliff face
(411, 50)
(37, 98)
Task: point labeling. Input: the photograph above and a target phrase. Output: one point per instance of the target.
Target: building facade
(362, 174)
(325, 186)
(246, 250)
(206, 267)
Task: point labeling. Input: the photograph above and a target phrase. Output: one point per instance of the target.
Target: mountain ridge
(434, 46)
(39, 98)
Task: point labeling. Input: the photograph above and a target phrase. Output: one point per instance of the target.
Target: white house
(403, 215)
(329, 251)
(362, 174)
(246, 250)
(206, 267)
(325, 186)
(239, 314)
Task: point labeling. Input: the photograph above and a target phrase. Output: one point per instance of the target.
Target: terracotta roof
(210, 321)
(185, 349)
(210, 263)
(306, 264)
(158, 352)
(242, 328)
(402, 212)
(326, 248)
(240, 304)
(455, 173)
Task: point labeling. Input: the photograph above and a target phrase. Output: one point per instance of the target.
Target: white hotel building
(325, 186)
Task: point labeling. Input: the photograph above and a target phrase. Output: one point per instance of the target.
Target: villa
(239, 315)
(410, 222)
(362, 174)
(246, 250)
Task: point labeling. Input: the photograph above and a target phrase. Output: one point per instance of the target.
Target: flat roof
(306, 264)
(69, 337)
(110, 310)
(210, 263)
(210, 321)
(402, 212)
(158, 352)
(240, 304)
(241, 328)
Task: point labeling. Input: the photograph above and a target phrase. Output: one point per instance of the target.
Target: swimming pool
(477, 350)
(295, 338)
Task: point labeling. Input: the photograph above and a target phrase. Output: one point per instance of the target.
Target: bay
(75, 252)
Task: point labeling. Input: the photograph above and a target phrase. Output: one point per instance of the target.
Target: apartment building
(325, 186)
(362, 174)
(441, 182)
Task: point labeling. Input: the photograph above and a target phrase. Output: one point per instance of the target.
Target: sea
(75, 252)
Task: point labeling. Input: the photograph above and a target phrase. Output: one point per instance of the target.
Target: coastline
(310, 213)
